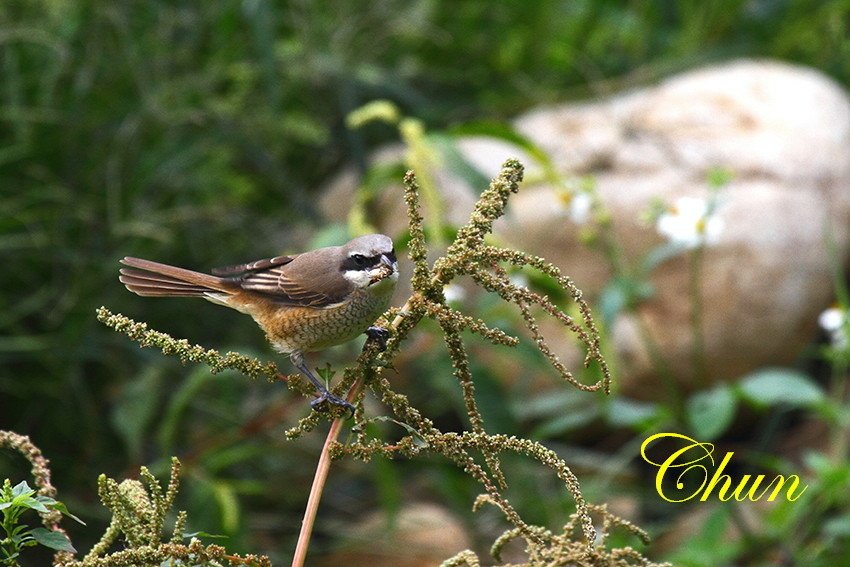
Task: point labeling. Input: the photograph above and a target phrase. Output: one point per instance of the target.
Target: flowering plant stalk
(475, 451)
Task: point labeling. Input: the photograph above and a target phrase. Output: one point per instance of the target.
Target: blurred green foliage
(199, 133)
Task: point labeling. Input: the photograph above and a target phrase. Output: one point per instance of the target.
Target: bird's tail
(152, 279)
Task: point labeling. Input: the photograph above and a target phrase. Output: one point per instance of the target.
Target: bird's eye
(359, 260)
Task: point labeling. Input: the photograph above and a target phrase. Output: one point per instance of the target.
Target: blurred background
(205, 134)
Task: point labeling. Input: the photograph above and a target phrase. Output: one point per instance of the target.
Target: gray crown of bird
(304, 302)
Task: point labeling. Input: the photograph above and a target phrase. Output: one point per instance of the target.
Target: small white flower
(689, 223)
(833, 321)
(576, 204)
(454, 293)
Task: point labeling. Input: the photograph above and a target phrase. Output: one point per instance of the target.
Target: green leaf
(30, 502)
(136, 407)
(612, 301)
(547, 404)
(625, 412)
(326, 373)
(53, 540)
(773, 386)
(178, 404)
(837, 527)
(456, 162)
(22, 488)
(622, 293)
(20, 532)
(708, 544)
(380, 176)
(818, 462)
(381, 110)
(64, 510)
(661, 254)
(709, 413)
(204, 534)
(567, 422)
(221, 458)
(413, 432)
(506, 133)
(228, 505)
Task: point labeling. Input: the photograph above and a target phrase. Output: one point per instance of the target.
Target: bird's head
(370, 262)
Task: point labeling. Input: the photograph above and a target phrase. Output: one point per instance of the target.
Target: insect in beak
(385, 269)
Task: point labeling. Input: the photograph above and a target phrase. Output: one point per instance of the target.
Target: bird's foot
(324, 395)
(327, 397)
(379, 334)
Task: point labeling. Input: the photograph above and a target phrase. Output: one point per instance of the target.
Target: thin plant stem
(674, 393)
(838, 393)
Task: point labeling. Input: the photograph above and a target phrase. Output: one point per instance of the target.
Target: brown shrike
(304, 303)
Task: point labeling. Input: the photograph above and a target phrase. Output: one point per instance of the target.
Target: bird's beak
(389, 263)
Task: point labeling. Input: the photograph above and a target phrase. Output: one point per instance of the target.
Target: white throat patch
(360, 278)
(363, 279)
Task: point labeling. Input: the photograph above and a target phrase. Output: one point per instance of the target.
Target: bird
(303, 302)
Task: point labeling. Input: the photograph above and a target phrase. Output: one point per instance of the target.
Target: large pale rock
(784, 134)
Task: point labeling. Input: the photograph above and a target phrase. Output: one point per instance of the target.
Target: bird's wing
(270, 277)
(263, 264)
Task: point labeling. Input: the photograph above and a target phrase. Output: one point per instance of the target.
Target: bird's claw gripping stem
(333, 400)
(379, 334)
(324, 394)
